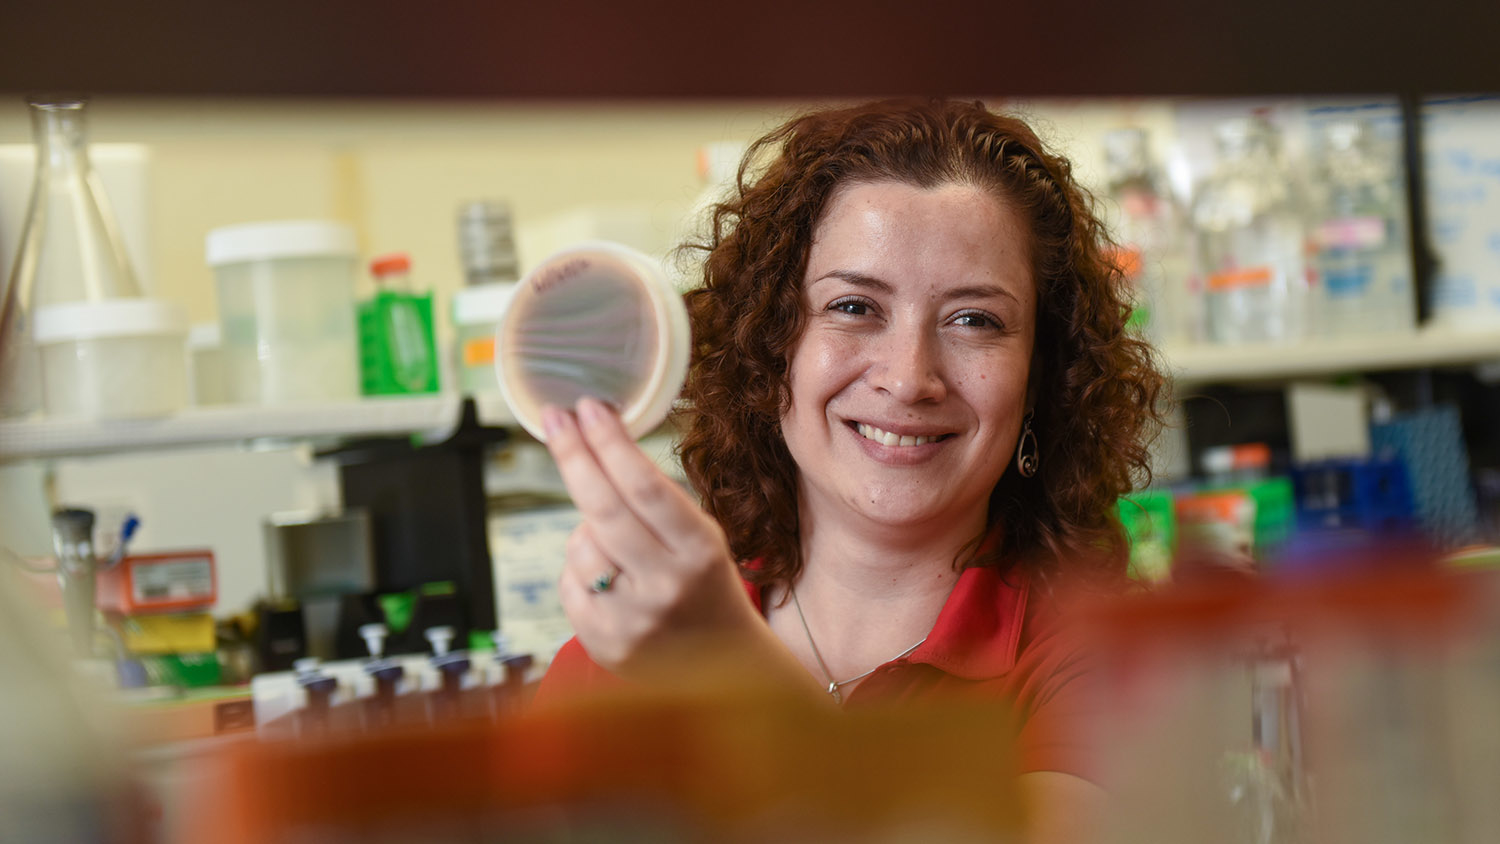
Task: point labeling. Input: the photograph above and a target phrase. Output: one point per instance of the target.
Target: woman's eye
(853, 307)
(972, 320)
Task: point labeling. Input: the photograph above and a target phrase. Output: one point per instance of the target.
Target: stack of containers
(105, 351)
(161, 606)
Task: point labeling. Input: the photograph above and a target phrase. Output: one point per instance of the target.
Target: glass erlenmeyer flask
(70, 248)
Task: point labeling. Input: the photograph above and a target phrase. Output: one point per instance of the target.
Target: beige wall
(399, 170)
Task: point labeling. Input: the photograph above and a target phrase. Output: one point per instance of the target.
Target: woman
(914, 406)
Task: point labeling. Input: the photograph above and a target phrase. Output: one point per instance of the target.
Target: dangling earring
(1028, 455)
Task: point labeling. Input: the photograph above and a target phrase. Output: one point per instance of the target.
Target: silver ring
(604, 582)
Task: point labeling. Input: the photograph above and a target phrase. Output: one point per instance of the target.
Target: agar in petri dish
(599, 320)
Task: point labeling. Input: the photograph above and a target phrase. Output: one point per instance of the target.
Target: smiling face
(909, 382)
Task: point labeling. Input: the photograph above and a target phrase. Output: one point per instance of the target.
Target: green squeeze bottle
(398, 353)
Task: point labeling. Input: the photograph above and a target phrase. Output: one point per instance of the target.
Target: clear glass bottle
(1358, 229)
(1147, 225)
(1251, 240)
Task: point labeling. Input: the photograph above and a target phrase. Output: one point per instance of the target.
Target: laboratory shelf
(430, 418)
(434, 418)
(1429, 346)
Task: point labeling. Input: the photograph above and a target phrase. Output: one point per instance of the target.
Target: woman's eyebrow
(981, 291)
(858, 279)
(968, 291)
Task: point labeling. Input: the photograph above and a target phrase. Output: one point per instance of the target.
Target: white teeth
(870, 432)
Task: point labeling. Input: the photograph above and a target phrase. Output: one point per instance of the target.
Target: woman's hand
(649, 578)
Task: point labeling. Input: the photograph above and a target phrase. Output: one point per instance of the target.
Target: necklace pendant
(833, 689)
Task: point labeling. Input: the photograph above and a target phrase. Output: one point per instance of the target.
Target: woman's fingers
(660, 504)
(594, 494)
(592, 566)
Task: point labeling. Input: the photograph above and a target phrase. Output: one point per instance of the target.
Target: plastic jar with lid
(113, 359)
(287, 308)
(476, 312)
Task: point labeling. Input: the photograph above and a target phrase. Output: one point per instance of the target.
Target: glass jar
(1251, 240)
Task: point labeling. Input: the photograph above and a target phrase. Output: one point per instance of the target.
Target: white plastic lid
(108, 318)
(650, 395)
(482, 303)
(279, 239)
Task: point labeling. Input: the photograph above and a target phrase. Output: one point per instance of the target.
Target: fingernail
(552, 420)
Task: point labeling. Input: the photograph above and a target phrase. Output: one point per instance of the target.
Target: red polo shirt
(995, 638)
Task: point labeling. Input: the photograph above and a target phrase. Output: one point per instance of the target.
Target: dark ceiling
(752, 48)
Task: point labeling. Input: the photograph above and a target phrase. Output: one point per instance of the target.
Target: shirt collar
(978, 631)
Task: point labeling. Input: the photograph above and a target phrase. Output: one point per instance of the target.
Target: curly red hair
(1096, 385)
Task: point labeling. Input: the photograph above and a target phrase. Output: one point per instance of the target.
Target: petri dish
(598, 319)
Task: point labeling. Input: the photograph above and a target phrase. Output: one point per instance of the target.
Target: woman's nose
(909, 367)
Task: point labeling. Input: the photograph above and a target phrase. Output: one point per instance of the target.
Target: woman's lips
(901, 448)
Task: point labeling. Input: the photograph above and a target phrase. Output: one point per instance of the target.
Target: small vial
(380, 710)
(451, 667)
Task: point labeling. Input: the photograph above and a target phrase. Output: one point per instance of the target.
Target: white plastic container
(597, 320)
(476, 312)
(206, 365)
(113, 359)
(286, 304)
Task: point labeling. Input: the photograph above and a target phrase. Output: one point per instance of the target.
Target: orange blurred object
(737, 767)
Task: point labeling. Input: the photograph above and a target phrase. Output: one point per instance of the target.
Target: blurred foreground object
(60, 781)
(1356, 708)
(733, 766)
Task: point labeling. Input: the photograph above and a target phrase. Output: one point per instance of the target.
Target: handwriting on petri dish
(553, 276)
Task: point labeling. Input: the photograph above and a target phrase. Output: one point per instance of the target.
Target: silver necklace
(835, 685)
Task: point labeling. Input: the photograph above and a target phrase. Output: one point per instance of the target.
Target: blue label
(1348, 282)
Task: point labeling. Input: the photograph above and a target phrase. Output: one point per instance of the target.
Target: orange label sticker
(479, 352)
(1214, 507)
(1243, 277)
